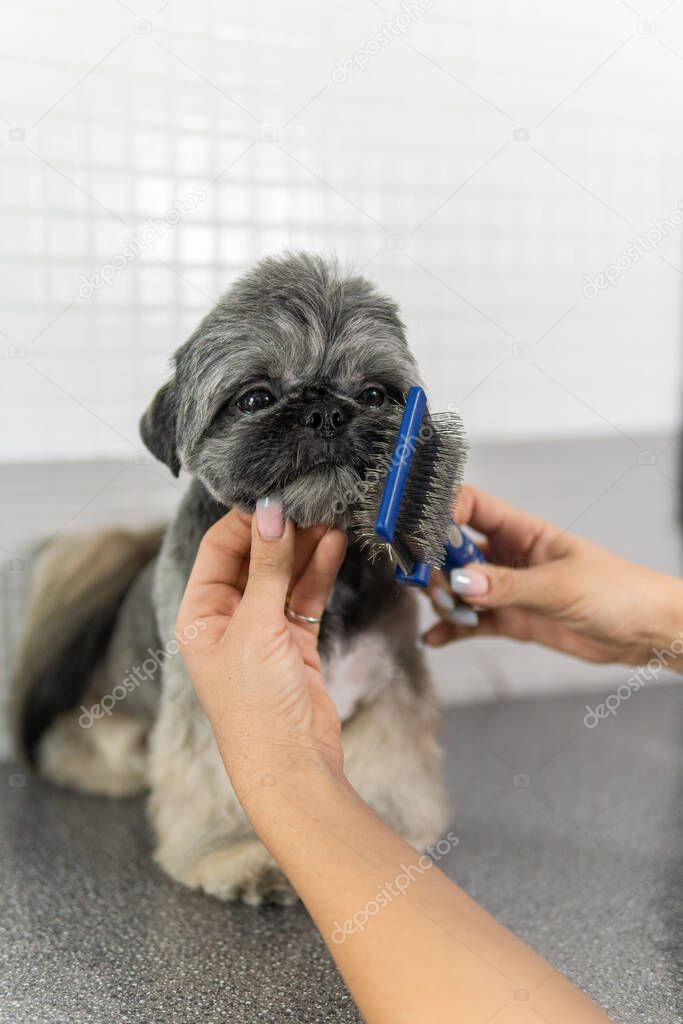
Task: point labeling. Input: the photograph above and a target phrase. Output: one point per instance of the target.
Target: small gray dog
(281, 389)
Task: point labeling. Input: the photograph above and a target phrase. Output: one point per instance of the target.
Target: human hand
(256, 673)
(551, 587)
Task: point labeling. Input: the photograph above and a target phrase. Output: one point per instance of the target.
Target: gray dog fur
(316, 339)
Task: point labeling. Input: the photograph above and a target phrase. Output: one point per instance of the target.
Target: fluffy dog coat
(283, 388)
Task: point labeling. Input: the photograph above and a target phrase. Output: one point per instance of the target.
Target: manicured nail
(270, 519)
(463, 616)
(444, 600)
(473, 584)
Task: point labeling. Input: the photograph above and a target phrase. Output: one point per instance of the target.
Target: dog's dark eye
(372, 396)
(255, 400)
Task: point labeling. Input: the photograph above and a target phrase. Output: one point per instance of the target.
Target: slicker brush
(409, 494)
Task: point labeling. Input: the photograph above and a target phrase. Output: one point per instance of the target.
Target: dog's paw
(237, 871)
(268, 885)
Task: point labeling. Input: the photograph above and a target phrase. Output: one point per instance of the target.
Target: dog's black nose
(325, 418)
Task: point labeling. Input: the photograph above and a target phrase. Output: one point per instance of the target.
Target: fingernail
(463, 616)
(270, 519)
(474, 584)
(444, 600)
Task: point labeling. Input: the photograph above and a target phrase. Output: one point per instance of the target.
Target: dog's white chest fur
(358, 674)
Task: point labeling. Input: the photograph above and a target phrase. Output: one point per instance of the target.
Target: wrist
(269, 752)
(285, 805)
(260, 769)
(664, 642)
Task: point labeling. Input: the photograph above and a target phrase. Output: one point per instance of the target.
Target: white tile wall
(478, 166)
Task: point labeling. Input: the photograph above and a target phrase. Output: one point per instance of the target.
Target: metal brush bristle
(436, 471)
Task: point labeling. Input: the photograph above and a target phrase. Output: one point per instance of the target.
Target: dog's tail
(79, 586)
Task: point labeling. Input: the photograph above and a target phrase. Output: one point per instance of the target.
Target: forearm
(665, 643)
(410, 944)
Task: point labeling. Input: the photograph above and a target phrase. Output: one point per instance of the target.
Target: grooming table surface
(571, 836)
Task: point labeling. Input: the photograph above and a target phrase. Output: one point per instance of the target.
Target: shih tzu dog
(281, 389)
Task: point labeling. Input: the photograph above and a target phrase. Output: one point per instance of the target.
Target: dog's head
(284, 388)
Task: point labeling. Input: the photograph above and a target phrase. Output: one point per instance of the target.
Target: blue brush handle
(399, 468)
(460, 550)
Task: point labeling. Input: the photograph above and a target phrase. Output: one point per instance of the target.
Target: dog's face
(285, 388)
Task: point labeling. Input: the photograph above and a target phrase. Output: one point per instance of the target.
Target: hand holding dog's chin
(256, 673)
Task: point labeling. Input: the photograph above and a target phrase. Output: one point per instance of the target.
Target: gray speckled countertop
(571, 836)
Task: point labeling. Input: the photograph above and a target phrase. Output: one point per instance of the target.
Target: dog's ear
(158, 427)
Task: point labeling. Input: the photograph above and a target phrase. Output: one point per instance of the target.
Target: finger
(305, 544)
(310, 593)
(509, 622)
(218, 568)
(439, 580)
(438, 586)
(503, 524)
(271, 561)
(222, 557)
(442, 633)
(526, 627)
(446, 606)
(543, 588)
(221, 568)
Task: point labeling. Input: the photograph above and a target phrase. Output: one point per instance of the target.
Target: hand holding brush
(543, 584)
